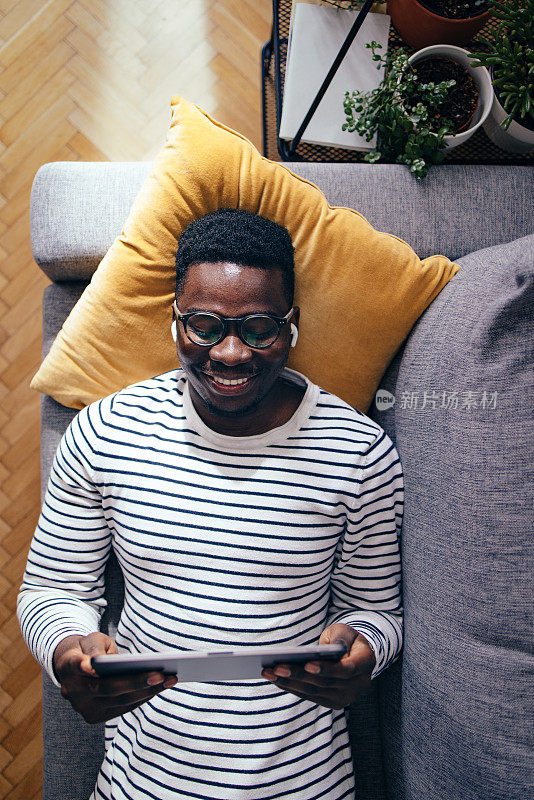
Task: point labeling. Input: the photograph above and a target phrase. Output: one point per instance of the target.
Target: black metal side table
(479, 149)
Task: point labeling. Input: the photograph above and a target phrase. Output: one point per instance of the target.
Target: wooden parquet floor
(88, 80)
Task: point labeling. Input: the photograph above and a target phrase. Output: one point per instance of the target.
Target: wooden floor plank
(17, 233)
(49, 13)
(5, 727)
(264, 10)
(196, 45)
(22, 532)
(28, 756)
(17, 709)
(17, 206)
(114, 147)
(108, 94)
(247, 15)
(26, 361)
(23, 282)
(42, 46)
(125, 32)
(28, 305)
(5, 758)
(5, 787)
(4, 531)
(240, 60)
(17, 17)
(137, 14)
(85, 149)
(240, 118)
(50, 95)
(15, 683)
(45, 124)
(28, 785)
(49, 148)
(84, 20)
(234, 26)
(13, 264)
(28, 89)
(18, 394)
(19, 481)
(7, 5)
(236, 81)
(14, 654)
(9, 599)
(118, 88)
(15, 512)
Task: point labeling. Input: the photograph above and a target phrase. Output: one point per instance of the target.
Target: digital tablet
(214, 665)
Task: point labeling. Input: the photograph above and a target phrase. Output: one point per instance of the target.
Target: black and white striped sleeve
(63, 587)
(366, 580)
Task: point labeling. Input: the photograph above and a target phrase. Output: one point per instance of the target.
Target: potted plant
(510, 57)
(464, 103)
(414, 112)
(421, 24)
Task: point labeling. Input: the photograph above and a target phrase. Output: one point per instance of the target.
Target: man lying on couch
(246, 506)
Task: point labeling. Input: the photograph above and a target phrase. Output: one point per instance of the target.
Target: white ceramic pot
(481, 77)
(517, 139)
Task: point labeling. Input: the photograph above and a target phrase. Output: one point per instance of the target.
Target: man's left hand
(327, 683)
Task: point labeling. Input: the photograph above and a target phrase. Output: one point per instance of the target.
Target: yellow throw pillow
(360, 291)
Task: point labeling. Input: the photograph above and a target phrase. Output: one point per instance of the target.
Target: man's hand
(329, 684)
(99, 699)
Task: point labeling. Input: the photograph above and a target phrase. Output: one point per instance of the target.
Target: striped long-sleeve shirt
(226, 541)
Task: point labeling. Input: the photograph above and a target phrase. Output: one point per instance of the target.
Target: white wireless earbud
(173, 330)
(294, 334)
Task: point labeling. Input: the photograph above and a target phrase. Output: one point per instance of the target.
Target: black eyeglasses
(255, 330)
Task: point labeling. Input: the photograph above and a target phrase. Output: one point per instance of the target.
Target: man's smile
(237, 382)
(229, 384)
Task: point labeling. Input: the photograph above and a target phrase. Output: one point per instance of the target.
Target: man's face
(231, 290)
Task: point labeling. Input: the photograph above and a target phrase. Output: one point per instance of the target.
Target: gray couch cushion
(427, 214)
(77, 209)
(461, 729)
(73, 751)
(58, 301)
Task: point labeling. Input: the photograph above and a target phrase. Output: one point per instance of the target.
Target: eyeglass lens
(256, 331)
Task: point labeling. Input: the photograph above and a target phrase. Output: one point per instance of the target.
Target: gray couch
(451, 718)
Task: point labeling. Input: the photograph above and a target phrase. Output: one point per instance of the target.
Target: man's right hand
(96, 698)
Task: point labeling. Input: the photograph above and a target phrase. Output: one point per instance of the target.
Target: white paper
(317, 33)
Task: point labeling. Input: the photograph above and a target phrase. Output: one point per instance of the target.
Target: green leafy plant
(511, 55)
(398, 111)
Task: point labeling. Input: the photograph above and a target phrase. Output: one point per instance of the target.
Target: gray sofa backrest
(448, 720)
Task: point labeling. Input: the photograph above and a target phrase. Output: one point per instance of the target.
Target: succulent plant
(399, 112)
(511, 57)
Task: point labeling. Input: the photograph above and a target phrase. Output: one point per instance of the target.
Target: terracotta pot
(420, 27)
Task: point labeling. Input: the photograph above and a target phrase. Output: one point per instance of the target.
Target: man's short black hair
(239, 237)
